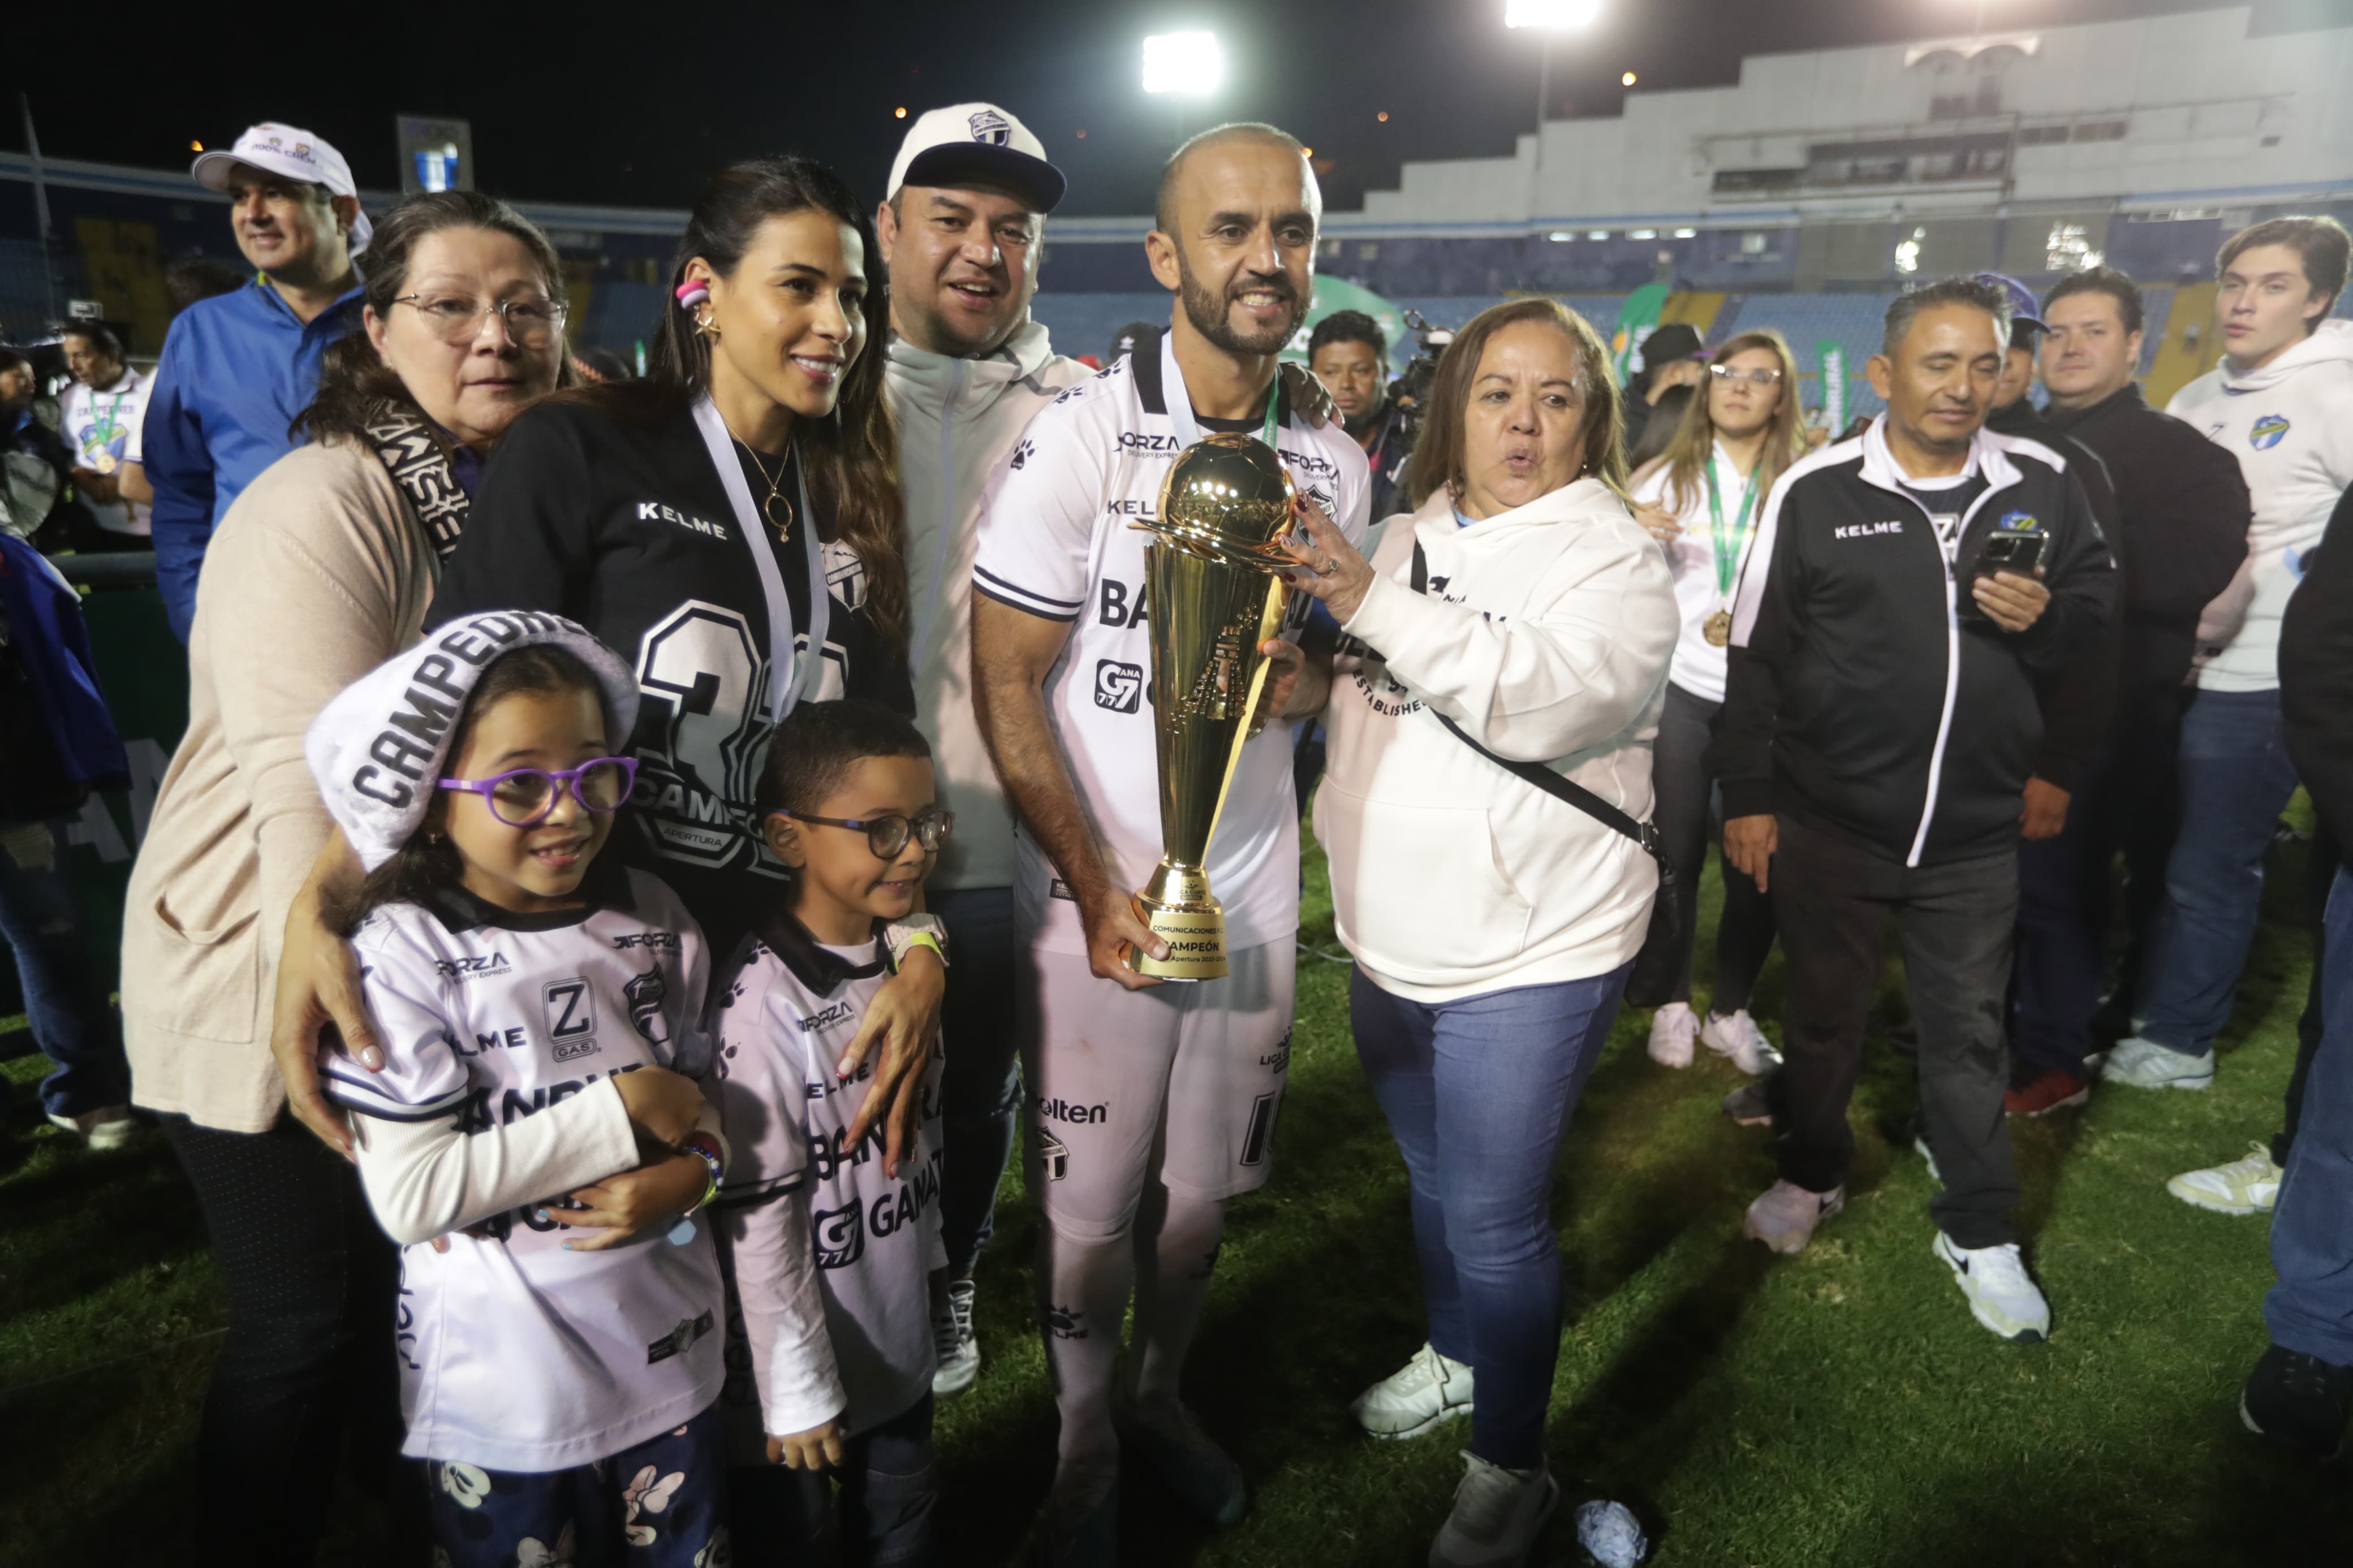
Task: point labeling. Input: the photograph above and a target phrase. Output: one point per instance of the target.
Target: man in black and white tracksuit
(1878, 729)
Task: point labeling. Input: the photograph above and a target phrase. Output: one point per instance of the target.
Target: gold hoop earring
(704, 329)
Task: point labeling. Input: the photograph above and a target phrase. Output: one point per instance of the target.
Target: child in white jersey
(560, 1371)
(847, 799)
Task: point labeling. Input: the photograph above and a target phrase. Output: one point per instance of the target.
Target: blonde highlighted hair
(1694, 444)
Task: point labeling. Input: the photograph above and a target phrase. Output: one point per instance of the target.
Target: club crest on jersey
(991, 126)
(2267, 432)
(2017, 523)
(1054, 1156)
(646, 994)
(840, 1235)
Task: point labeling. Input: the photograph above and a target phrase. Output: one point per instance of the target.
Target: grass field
(1841, 1407)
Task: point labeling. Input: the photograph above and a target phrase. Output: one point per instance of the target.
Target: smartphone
(2010, 550)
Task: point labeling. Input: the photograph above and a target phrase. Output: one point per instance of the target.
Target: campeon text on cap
(290, 153)
(976, 142)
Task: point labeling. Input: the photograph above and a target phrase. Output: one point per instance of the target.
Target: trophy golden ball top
(1227, 497)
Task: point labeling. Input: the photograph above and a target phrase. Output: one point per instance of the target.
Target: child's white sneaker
(1675, 1029)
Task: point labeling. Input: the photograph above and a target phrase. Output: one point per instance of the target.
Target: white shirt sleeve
(1038, 519)
(424, 1176)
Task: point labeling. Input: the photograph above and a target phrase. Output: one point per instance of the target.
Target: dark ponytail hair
(356, 385)
(852, 457)
(429, 863)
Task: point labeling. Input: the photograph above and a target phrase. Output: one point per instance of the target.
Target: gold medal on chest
(1717, 628)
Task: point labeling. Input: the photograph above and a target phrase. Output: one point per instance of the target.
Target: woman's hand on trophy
(1329, 567)
(1115, 925)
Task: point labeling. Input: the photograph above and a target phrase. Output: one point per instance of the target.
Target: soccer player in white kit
(1149, 1104)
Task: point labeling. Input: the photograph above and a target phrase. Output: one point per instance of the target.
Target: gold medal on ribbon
(1717, 628)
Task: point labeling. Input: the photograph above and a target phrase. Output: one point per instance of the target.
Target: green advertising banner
(1833, 358)
(143, 671)
(1334, 294)
(1636, 317)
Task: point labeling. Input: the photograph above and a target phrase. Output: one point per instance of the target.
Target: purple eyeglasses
(526, 797)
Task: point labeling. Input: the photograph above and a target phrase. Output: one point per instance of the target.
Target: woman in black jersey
(684, 519)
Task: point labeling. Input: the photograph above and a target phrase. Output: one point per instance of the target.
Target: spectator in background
(1704, 504)
(96, 416)
(186, 279)
(1673, 356)
(2301, 1392)
(2179, 531)
(2057, 958)
(1878, 727)
(1349, 355)
(238, 369)
(1659, 430)
(59, 743)
(37, 498)
(2281, 402)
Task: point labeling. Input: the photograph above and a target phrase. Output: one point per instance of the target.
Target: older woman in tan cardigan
(321, 572)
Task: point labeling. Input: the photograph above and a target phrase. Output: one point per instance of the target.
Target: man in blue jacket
(236, 369)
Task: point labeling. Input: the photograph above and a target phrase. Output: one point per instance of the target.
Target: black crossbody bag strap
(1642, 833)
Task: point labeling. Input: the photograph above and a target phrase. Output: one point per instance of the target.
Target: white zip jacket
(2290, 424)
(958, 419)
(1545, 634)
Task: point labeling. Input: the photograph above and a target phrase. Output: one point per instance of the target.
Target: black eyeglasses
(1724, 373)
(887, 835)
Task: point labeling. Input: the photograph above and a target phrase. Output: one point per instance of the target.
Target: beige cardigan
(318, 573)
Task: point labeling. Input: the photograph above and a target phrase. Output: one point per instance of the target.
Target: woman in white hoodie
(2281, 402)
(1521, 608)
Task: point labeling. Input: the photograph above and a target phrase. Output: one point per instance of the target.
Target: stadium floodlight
(1188, 63)
(1557, 15)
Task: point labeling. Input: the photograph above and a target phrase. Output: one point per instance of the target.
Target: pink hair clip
(692, 292)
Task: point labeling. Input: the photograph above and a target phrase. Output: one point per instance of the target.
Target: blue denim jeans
(2236, 777)
(1478, 1093)
(2311, 1309)
(980, 1087)
(65, 993)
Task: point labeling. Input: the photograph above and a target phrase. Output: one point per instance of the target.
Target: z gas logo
(1022, 450)
(1118, 687)
(2267, 432)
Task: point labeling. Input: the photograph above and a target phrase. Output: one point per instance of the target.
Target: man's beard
(1207, 311)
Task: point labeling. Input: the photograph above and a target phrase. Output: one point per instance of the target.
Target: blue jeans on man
(66, 994)
(2236, 778)
(1478, 1093)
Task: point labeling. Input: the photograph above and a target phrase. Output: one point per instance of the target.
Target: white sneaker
(1736, 1035)
(1427, 1390)
(1497, 1514)
(952, 1338)
(2243, 1186)
(111, 1127)
(2002, 1296)
(1920, 1142)
(2145, 1064)
(1675, 1029)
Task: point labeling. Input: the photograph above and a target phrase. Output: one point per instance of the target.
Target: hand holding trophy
(1211, 582)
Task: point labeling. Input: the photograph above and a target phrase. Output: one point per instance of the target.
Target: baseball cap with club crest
(290, 153)
(967, 143)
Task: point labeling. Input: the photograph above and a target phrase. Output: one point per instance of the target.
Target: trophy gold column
(1210, 583)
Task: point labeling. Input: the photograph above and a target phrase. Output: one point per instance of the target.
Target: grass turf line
(1841, 1407)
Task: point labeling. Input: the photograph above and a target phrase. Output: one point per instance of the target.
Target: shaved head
(1163, 207)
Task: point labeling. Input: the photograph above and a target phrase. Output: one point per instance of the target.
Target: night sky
(631, 105)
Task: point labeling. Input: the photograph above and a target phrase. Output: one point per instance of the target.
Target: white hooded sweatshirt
(1545, 634)
(958, 419)
(2290, 424)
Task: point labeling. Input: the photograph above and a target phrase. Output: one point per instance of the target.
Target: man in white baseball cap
(236, 369)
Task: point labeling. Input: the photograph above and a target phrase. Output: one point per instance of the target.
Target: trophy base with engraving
(1178, 908)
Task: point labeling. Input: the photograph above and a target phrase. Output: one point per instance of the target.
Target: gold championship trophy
(1210, 578)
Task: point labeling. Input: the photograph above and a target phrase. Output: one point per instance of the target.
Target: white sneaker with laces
(2242, 1186)
(2145, 1064)
(2002, 1295)
(1497, 1515)
(954, 1339)
(1675, 1029)
(1427, 1390)
(1736, 1035)
(111, 1127)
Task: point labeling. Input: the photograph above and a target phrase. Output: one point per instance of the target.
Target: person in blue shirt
(236, 369)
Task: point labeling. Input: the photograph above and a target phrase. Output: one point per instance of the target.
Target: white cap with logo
(290, 153)
(968, 143)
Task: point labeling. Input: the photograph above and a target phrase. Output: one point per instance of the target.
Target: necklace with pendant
(776, 497)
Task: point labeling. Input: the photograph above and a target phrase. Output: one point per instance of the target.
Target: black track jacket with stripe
(1860, 699)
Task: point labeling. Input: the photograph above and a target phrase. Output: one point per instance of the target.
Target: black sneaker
(2300, 1401)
